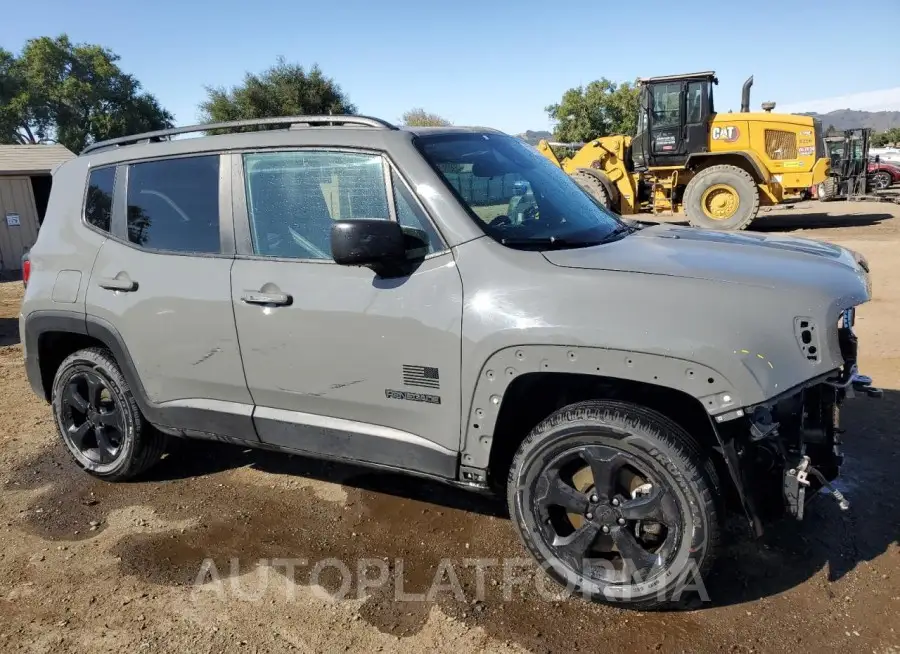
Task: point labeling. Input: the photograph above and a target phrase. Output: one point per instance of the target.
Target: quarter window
(174, 204)
(294, 197)
(409, 214)
(98, 203)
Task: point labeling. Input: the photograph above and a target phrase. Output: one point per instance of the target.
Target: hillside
(533, 137)
(850, 118)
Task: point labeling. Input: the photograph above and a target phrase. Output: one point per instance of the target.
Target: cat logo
(729, 133)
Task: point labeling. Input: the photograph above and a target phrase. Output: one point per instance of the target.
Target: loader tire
(593, 186)
(721, 197)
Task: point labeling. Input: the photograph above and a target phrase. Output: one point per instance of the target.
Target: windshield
(519, 197)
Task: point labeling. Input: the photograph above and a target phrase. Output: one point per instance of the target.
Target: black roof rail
(158, 135)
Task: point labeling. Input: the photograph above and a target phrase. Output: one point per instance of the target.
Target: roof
(706, 74)
(32, 159)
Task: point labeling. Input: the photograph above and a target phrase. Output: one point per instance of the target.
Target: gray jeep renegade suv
(447, 303)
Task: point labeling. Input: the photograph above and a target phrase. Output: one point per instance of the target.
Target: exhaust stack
(745, 95)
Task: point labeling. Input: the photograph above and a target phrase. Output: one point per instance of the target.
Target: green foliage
(73, 94)
(420, 118)
(882, 139)
(282, 90)
(599, 109)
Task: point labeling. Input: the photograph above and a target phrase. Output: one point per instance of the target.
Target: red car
(882, 174)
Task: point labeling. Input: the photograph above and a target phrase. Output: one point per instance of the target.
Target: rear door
(162, 282)
(341, 362)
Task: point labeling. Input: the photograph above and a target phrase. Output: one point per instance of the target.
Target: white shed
(25, 179)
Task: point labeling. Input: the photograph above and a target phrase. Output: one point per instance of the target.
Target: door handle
(258, 297)
(116, 284)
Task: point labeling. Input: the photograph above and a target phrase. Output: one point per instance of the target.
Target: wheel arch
(712, 390)
(51, 336)
(519, 386)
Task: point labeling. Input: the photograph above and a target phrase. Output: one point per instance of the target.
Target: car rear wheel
(616, 503)
(99, 420)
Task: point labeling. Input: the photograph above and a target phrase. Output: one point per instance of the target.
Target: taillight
(26, 271)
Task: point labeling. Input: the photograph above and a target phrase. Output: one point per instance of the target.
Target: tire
(683, 482)
(99, 420)
(827, 190)
(882, 179)
(738, 181)
(593, 186)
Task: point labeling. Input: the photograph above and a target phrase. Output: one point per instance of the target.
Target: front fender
(716, 393)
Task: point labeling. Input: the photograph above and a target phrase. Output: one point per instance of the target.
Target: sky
(489, 63)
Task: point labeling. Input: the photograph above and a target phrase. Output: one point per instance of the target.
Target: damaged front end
(788, 448)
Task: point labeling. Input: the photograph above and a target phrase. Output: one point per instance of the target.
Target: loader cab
(673, 119)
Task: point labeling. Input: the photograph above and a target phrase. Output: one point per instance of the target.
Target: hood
(748, 258)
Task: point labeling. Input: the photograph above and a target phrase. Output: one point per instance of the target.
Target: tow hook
(851, 382)
(863, 384)
(796, 481)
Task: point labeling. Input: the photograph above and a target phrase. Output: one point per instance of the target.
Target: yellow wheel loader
(717, 169)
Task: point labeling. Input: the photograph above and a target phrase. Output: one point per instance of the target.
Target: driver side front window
(293, 198)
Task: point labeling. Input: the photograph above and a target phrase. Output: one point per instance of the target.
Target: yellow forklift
(717, 169)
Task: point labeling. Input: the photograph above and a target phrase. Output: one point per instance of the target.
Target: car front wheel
(617, 503)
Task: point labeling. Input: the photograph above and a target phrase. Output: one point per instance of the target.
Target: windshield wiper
(621, 231)
(549, 242)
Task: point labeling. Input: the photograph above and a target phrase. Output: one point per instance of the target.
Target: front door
(341, 362)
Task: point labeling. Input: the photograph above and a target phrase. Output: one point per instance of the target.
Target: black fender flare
(174, 420)
(503, 366)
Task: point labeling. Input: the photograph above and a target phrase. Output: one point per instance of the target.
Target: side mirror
(381, 245)
(877, 158)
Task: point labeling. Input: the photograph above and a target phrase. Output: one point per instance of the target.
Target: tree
(600, 109)
(831, 130)
(282, 90)
(73, 94)
(418, 117)
(881, 139)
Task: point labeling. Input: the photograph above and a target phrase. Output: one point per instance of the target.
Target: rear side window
(98, 203)
(174, 204)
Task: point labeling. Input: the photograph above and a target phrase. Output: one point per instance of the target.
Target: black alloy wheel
(99, 420)
(600, 512)
(617, 503)
(92, 417)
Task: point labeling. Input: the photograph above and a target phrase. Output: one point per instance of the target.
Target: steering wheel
(531, 213)
(500, 221)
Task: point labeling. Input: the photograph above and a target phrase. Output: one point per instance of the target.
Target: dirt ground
(91, 566)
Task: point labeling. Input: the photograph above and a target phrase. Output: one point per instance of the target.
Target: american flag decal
(421, 376)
